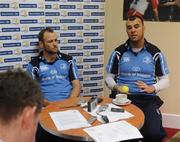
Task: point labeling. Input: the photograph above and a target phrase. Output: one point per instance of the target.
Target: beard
(51, 52)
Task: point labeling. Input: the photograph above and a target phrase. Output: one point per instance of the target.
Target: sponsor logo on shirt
(136, 69)
(44, 68)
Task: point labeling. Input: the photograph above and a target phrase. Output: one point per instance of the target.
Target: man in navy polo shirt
(56, 72)
(142, 67)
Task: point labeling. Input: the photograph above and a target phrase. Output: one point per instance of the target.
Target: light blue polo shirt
(55, 78)
(129, 67)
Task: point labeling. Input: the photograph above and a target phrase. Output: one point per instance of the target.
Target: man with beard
(56, 72)
(142, 67)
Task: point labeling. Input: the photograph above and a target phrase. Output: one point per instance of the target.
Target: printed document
(112, 116)
(69, 119)
(113, 132)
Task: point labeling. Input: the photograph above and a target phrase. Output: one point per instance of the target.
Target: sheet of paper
(113, 132)
(112, 116)
(69, 119)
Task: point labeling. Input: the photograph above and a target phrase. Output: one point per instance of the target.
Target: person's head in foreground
(20, 105)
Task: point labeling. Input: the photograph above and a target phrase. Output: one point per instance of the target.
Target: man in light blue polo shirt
(56, 72)
(142, 67)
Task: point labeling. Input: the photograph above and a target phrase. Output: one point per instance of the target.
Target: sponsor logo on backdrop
(78, 23)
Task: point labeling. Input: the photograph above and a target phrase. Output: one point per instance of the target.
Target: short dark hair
(133, 17)
(41, 33)
(18, 90)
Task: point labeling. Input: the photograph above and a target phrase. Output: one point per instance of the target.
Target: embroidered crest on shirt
(126, 59)
(146, 60)
(44, 68)
(63, 67)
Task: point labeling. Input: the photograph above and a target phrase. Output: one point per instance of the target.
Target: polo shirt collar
(128, 46)
(44, 60)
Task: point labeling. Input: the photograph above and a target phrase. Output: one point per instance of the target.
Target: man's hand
(143, 86)
(121, 89)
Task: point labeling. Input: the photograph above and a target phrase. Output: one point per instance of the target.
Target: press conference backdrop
(80, 28)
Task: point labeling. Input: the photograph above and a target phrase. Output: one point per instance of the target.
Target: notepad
(113, 132)
(69, 119)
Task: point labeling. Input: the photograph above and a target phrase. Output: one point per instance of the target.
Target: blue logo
(67, 7)
(5, 37)
(98, 40)
(67, 20)
(3, 68)
(28, 36)
(35, 28)
(90, 34)
(97, 66)
(52, 13)
(34, 43)
(75, 13)
(36, 13)
(91, 60)
(27, 5)
(75, 41)
(91, 6)
(67, 34)
(6, 53)
(10, 29)
(67, 47)
(4, 21)
(97, 78)
(89, 84)
(75, 0)
(75, 27)
(19, 59)
(91, 47)
(91, 20)
(17, 44)
(29, 21)
(97, 14)
(76, 54)
(9, 13)
(30, 51)
(98, 0)
(4, 5)
(90, 72)
(97, 27)
(97, 90)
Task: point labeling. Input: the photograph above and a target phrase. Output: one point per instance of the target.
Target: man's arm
(76, 88)
(112, 84)
(162, 83)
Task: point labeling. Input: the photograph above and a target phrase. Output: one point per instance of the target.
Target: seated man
(142, 67)
(20, 104)
(56, 72)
